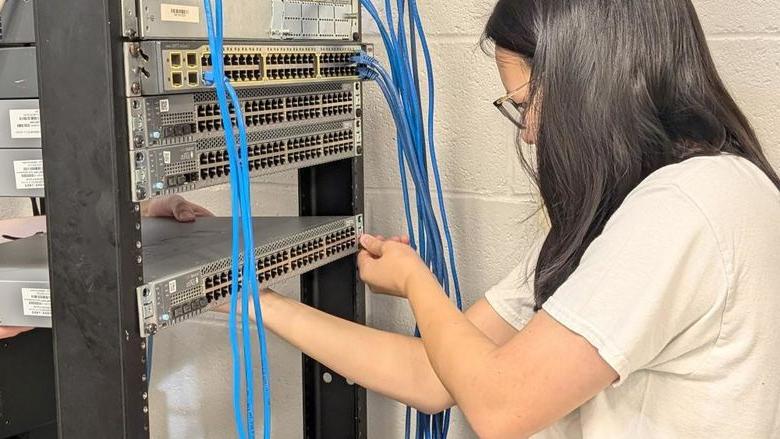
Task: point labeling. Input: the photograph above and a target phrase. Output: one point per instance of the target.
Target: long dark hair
(623, 87)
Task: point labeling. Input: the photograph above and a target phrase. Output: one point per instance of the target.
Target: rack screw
(135, 88)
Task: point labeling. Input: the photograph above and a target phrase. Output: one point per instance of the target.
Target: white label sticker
(29, 174)
(180, 13)
(36, 302)
(172, 286)
(25, 124)
(164, 106)
(167, 157)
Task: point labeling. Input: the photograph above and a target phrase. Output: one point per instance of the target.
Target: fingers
(183, 212)
(200, 210)
(372, 244)
(12, 331)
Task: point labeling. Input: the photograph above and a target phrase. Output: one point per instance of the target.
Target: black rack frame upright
(95, 243)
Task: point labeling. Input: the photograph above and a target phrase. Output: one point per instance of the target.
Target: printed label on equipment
(29, 174)
(180, 13)
(36, 302)
(172, 286)
(167, 157)
(164, 106)
(25, 124)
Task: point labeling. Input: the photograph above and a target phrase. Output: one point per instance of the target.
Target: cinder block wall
(487, 196)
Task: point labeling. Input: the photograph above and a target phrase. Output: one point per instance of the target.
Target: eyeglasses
(512, 110)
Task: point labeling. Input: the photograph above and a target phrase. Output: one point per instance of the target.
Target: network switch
(18, 73)
(166, 170)
(186, 266)
(157, 67)
(16, 22)
(196, 118)
(245, 19)
(21, 173)
(189, 271)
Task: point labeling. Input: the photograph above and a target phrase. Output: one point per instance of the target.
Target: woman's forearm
(387, 363)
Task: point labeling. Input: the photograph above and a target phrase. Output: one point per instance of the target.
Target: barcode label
(179, 13)
(164, 106)
(36, 302)
(28, 174)
(25, 124)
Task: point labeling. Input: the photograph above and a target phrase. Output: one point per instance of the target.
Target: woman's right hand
(12, 331)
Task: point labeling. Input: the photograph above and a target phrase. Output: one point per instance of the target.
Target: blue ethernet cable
(407, 111)
(242, 225)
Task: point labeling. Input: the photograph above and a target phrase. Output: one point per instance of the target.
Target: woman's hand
(12, 331)
(174, 206)
(387, 265)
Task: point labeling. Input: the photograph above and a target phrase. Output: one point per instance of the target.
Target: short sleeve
(651, 288)
(513, 297)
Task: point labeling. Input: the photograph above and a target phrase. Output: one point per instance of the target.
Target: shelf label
(25, 124)
(29, 174)
(179, 13)
(36, 302)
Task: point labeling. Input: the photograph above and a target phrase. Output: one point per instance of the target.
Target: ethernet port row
(218, 279)
(209, 125)
(264, 119)
(271, 260)
(307, 259)
(266, 148)
(217, 294)
(249, 59)
(331, 98)
(336, 110)
(304, 142)
(299, 73)
(337, 57)
(339, 136)
(267, 162)
(296, 157)
(289, 58)
(304, 114)
(215, 172)
(338, 148)
(208, 110)
(302, 101)
(244, 75)
(306, 247)
(331, 72)
(341, 234)
(338, 248)
(213, 157)
(255, 105)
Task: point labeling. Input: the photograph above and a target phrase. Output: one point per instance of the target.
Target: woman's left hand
(175, 206)
(387, 265)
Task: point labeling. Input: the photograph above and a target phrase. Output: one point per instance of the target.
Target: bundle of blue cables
(244, 267)
(401, 90)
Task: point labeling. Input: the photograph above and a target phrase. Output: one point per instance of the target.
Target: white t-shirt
(681, 296)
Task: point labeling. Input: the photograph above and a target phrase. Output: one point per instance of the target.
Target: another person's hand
(226, 307)
(174, 206)
(387, 265)
(12, 331)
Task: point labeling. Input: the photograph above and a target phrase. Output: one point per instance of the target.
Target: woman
(649, 309)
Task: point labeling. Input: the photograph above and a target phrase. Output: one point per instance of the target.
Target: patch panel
(195, 274)
(195, 118)
(245, 19)
(159, 67)
(166, 170)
